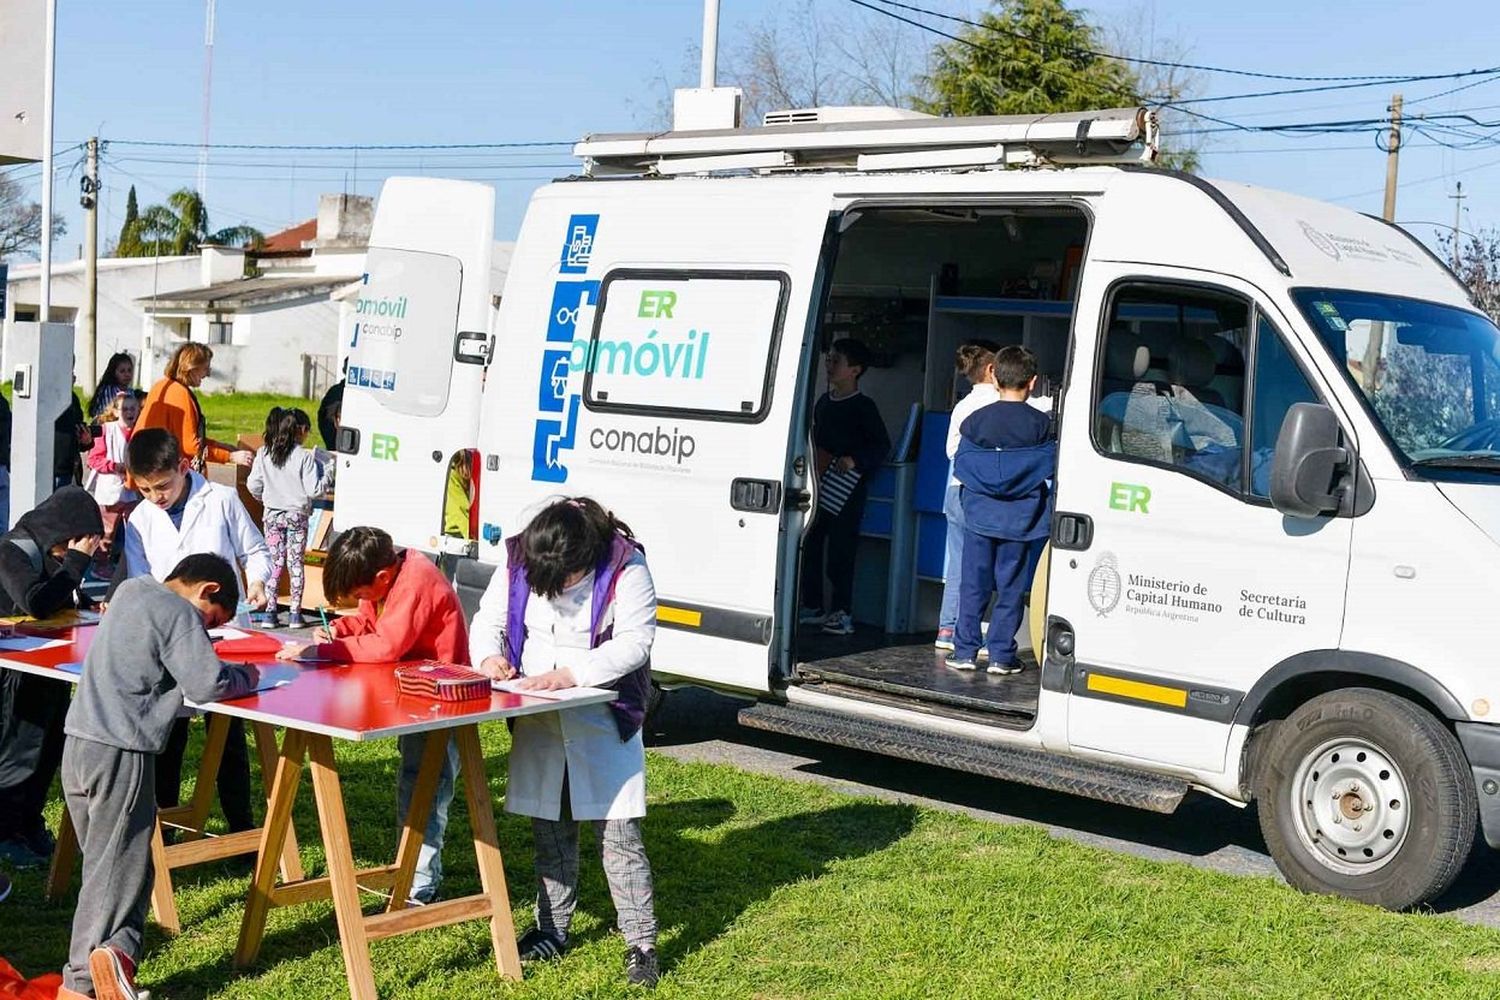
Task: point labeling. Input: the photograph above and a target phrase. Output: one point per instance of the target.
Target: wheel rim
(1351, 807)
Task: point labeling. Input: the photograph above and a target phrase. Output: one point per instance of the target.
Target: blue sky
(444, 71)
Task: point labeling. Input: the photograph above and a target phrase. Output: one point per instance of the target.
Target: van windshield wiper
(1477, 460)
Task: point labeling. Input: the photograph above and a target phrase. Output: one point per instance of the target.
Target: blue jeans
(429, 874)
(953, 509)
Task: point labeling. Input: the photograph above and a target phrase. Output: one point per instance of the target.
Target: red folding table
(358, 702)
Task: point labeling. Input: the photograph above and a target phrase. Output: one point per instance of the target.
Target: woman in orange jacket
(172, 405)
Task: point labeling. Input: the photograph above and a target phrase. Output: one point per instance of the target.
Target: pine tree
(129, 244)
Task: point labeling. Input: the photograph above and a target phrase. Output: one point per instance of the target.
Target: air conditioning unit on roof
(851, 113)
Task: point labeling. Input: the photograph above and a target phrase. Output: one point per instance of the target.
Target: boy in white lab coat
(182, 514)
(574, 605)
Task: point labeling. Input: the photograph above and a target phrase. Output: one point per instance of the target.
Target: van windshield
(1429, 373)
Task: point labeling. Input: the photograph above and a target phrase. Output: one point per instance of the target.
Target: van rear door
(653, 333)
(418, 337)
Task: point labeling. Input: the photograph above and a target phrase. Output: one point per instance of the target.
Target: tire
(1364, 794)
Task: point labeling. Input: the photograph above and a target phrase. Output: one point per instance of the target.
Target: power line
(1100, 54)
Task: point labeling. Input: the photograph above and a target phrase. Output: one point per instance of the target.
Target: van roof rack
(881, 142)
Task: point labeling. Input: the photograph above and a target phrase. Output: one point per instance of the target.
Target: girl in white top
(105, 478)
(573, 605)
(976, 363)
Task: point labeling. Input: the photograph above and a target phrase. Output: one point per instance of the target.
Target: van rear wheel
(1365, 795)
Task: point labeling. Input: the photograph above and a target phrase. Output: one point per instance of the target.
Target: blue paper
(276, 676)
(75, 667)
(21, 643)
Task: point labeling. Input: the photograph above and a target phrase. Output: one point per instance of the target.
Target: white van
(1273, 558)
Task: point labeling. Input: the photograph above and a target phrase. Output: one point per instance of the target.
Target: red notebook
(441, 681)
(250, 645)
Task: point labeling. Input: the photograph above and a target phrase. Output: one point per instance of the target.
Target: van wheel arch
(1298, 679)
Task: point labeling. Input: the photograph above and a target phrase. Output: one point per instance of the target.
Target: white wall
(121, 283)
(269, 341)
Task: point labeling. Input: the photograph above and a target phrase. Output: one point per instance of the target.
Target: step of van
(917, 672)
(1105, 782)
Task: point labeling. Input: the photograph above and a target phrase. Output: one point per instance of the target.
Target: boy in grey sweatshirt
(152, 648)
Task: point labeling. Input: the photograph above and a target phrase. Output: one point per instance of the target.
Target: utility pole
(1370, 372)
(1392, 159)
(1458, 197)
(89, 199)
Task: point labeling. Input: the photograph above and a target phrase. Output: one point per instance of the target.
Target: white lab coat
(606, 775)
(214, 520)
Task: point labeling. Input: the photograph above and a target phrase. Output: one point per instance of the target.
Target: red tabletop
(356, 701)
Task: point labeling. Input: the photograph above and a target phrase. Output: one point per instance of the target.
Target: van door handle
(758, 496)
(1073, 532)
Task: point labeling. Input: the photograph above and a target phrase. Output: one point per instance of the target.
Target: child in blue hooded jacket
(1005, 462)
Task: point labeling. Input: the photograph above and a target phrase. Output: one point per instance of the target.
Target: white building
(275, 330)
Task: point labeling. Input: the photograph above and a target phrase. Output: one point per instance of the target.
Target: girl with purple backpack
(573, 605)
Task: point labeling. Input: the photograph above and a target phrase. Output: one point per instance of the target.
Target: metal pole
(1458, 208)
(710, 43)
(91, 265)
(48, 72)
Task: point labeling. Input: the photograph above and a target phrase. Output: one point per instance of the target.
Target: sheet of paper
(63, 619)
(276, 676)
(21, 643)
(562, 694)
(75, 667)
(220, 634)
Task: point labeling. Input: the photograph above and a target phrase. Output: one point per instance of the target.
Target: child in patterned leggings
(285, 478)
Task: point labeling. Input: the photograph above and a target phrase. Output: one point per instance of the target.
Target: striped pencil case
(441, 681)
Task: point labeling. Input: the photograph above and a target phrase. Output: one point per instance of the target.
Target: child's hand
(242, 457)
(321, 634)
(255, 595)
(552, 680)
(846, 464)
(496, 668)
(86, 544)
(296, 650)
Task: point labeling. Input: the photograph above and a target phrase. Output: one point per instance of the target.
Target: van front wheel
(1366, 795)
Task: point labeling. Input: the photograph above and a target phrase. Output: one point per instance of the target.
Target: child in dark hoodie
(1005, 460)
(42, 562)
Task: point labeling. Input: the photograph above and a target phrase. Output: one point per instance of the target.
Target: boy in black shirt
(851, 443)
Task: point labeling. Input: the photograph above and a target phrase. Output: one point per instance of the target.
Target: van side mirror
(1310, 467)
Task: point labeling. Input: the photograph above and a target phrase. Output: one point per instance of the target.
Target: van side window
(1279, 383)
(1172, 380)
(683, 343)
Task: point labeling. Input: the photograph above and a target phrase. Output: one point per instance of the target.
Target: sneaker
(295, 620)
(113, 973)
(811, 616)
(944, 639)
(536, 945)
(641, 968)
(5, 887)
(1013, 667)
(956, 662)
(839, 623)
(20, 855)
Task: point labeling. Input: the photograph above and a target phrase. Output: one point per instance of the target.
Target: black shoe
(20, 855)
(536, 945)
(40, 840)
(641, 968)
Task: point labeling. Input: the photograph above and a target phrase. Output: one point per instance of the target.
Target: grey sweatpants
(111, 798)
(625, 868)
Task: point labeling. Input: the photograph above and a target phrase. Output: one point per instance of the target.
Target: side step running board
(1106, 782)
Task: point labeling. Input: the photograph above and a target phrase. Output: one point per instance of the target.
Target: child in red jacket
(407, 611)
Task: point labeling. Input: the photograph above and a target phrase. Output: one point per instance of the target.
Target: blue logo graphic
(578, 245)
(557, 409)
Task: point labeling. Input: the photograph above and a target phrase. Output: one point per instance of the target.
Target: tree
(1030, 57)
(21, 221)
(804, 55)
(180, 228)
(129, 244)
(1476, 261)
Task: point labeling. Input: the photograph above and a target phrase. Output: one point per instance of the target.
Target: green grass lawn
(774, 889)
(232, 414)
